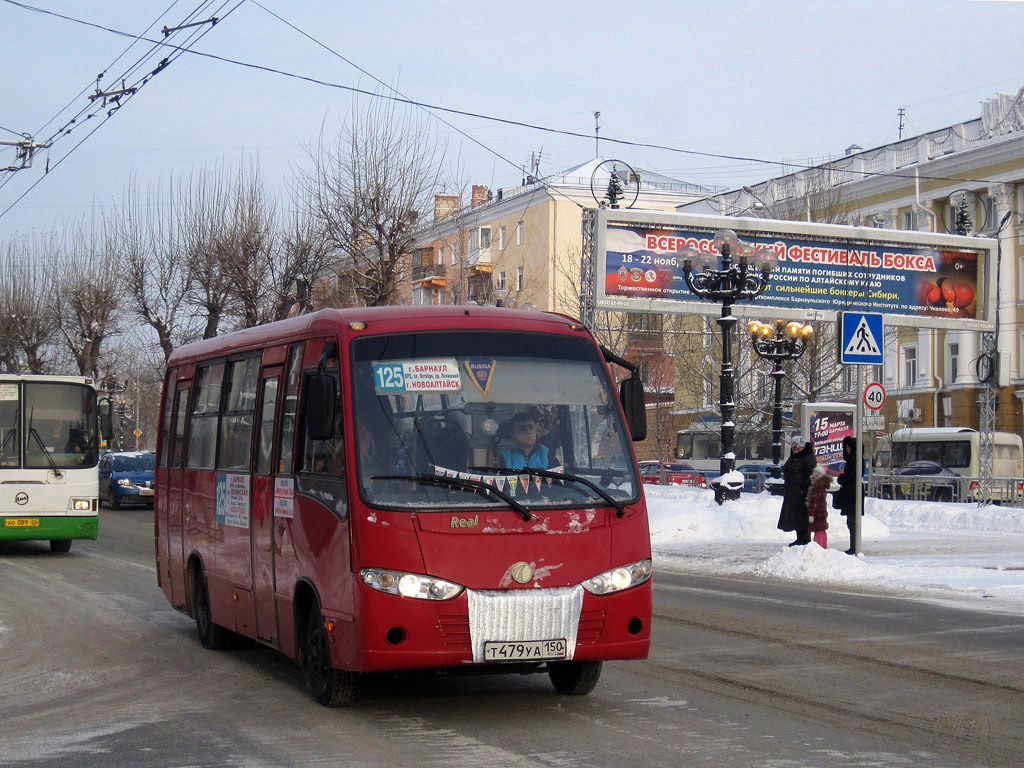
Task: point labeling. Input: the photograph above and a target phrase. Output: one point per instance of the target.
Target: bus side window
(236, 420)
(286, 450)
(202, 433)
(324, 456)
(178, 442)
(165, 426)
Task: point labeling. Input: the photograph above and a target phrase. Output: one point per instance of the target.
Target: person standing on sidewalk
(817, 506)
(796, 479)
(845, 499)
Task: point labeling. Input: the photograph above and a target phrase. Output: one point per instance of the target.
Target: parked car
(676, 473)
(754, 476)
(926, 480)
(127, 478)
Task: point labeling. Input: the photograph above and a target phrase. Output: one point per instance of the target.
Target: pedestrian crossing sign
(860, 338)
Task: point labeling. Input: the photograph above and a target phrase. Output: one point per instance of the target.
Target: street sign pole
(858, 453)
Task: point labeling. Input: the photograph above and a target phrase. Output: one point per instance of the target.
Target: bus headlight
(618, 579)
(409, 584)
(81, 505)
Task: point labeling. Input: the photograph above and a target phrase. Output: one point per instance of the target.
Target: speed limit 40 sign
(874, 396)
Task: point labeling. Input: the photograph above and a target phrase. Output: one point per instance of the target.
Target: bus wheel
(212, 636)
(60, 545)
(574, 678)
(330, 687)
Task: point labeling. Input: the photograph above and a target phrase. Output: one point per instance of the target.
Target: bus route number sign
(874, 396)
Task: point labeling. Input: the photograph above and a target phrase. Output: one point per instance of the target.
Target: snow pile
(956, 550)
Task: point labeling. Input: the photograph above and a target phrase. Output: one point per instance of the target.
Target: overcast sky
(781, 82)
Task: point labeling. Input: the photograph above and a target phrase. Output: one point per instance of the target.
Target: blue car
(127, 478)
(754, 476)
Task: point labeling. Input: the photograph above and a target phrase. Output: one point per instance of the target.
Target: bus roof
(385, 319)
(931, 431)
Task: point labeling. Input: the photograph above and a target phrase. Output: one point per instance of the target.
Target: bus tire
(212, 636)
(574, 678)
(60, 545)
(329, 686)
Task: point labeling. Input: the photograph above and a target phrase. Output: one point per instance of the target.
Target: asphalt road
(97, 670)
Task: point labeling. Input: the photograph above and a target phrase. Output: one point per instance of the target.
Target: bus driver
(527, 452)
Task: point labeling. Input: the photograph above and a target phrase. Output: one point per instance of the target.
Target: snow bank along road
(98, 671)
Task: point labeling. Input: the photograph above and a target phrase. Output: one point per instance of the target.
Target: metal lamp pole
(730, 283)
(778, 341)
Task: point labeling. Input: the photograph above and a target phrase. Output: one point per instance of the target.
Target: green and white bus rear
(49, 451)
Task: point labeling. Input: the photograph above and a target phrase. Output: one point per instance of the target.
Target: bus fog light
(618, 579)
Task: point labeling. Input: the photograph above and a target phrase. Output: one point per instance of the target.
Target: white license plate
(526, 650)
(145, 491)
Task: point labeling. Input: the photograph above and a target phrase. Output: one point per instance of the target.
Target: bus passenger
(527, 452)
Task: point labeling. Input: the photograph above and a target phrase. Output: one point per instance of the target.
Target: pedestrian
(817, 506)
(845, 499)
(796, 479)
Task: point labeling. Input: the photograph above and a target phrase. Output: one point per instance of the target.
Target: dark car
(924, 480)
(127, 478)
(754, 476)
(676, 473)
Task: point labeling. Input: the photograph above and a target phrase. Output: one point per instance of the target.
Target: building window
(483, 238)
(440, 255)
(953, 356)
(709, 333)
(908, 367)
(455, 254)
(849, 379)
(501, 280)
(520, 280)
(520, 234)
(502, 240)
(910, 220)
(419, 296)
(645, 370)
(988, 213)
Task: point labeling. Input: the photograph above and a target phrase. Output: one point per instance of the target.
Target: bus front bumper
(29, 527)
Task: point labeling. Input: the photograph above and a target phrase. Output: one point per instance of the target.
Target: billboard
(913, 278)
(826, 424)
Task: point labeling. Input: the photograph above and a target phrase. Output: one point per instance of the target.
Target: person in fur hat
(817, 505)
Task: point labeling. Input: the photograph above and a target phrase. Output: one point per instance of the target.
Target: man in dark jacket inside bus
(796, 478)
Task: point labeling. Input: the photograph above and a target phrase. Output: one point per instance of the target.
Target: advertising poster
(827, 424)
(232, 500)
(938, 282)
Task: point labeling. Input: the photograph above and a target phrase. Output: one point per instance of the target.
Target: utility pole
(901, 113)
(597, 132)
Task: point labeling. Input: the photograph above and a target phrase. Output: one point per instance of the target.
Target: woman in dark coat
(796, 478)
(845, 500)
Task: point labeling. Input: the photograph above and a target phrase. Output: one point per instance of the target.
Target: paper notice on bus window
(8, 392)
(232, 500)
(436, 375)
(284, 497)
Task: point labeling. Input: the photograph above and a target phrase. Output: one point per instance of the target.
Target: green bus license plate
(527, 650)
(21, 522)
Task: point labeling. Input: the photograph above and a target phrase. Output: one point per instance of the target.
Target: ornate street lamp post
(733, 281)
(778, 341)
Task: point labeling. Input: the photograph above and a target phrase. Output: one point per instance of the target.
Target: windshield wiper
(474, 486)
(619, 508)
(46, 453)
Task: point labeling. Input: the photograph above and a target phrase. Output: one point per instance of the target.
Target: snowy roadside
(960, 553)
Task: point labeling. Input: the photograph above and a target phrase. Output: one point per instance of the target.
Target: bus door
(267, 489)
(173, 493)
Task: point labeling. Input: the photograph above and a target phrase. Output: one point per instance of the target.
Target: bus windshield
(497, 409)
(60, 426)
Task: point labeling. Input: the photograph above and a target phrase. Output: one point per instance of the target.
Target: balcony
(429, 275)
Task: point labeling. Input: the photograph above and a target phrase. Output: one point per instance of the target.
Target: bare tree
(85, 293)
(154, 268)
(26, 329)
(205, 207)
(367, 188)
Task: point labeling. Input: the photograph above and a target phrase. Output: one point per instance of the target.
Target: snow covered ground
(956, 553)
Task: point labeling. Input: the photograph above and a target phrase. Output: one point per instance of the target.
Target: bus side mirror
(321, 403)
(631, 395)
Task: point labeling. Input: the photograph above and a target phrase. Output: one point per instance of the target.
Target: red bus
(396, 488)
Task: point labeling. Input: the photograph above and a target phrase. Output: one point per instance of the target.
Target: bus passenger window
(324, 457)
(288, 410)
(236, 421)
